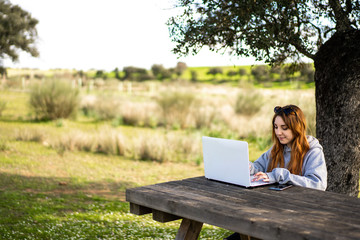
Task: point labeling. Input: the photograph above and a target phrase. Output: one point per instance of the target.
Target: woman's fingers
(260, 175)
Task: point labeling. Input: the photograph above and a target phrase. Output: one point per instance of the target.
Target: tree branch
(342, 20)
(298, 46)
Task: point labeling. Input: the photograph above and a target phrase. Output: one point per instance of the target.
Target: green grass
(46, 193)
(16, 107)
(77, 216)
(286, 85)
(79, 196)
(204, 77)
(76, 195)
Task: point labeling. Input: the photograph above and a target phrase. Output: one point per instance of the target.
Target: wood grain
(296, 213)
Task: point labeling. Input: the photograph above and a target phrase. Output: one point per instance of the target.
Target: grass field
(55, 183)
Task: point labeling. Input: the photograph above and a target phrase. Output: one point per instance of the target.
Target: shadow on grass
(61, 208)
(63, 186)
(22, 196)
(10, 119)
(65, 208)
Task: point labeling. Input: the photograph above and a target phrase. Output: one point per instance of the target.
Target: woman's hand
(260, 176)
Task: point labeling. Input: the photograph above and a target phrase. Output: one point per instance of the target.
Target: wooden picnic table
(295, 213)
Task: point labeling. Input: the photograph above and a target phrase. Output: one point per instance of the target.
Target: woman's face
(282, 132)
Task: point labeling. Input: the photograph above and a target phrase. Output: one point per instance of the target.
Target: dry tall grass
(156, 146)
(29, 134)
(203, 110)
(244, 112)
(53, 99)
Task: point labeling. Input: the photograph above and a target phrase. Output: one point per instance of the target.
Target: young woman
(294, 158)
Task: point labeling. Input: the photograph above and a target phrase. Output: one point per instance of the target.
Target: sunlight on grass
(82, 217)
(66, 179)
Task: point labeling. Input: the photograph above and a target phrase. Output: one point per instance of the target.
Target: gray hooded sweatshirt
(314, 173)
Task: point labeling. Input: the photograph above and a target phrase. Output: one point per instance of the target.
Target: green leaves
(272, 31)
(17, 31)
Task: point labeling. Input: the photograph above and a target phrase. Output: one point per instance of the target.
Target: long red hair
(295, 120)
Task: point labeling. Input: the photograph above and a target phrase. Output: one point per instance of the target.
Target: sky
(108, 34)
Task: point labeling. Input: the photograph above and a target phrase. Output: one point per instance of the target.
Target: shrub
(160, 72)
(167, 148)
(203, 116)
(106, 141)
(135, 73)
(75, 141)
(150, 150)
(175, 107)
(180, 68)
(242, 72)
(110, 142)
(140, 114)
(248, 103)
(53, 99)
(29, 134)
(214, 71)
(260, 73)
(106, 108)
(232, 73)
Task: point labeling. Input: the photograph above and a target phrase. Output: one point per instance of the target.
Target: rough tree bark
(337, 81)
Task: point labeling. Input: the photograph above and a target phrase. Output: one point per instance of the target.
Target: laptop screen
(227, 160)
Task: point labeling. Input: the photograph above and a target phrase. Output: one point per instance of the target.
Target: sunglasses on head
(286, 110)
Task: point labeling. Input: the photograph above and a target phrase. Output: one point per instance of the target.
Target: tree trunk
(337, 82)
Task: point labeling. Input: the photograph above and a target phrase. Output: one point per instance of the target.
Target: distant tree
(157, 70)
(17, 31)
(194, 76)
(80, 73)
(117, 74)
(232, 73)
(215, 70)
(276, 70)
(135, 73)
(3, 72)
(260, 73)
(287, 73)
(100, 74)
(167, 73)
(275, 73)
(160, 72)
(242, 72)
(307, 72)
(180, 68)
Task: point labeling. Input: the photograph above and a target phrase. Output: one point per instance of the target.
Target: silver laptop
(227, 160)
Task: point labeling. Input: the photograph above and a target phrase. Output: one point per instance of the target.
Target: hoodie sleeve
(261, 164)
(314, 172)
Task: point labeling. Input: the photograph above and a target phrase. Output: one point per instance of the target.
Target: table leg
(246, 237)
(189, 230)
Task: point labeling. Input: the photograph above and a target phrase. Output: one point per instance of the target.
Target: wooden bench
(295, 213)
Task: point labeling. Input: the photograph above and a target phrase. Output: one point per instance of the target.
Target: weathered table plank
(294, 197)
(296, 213)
